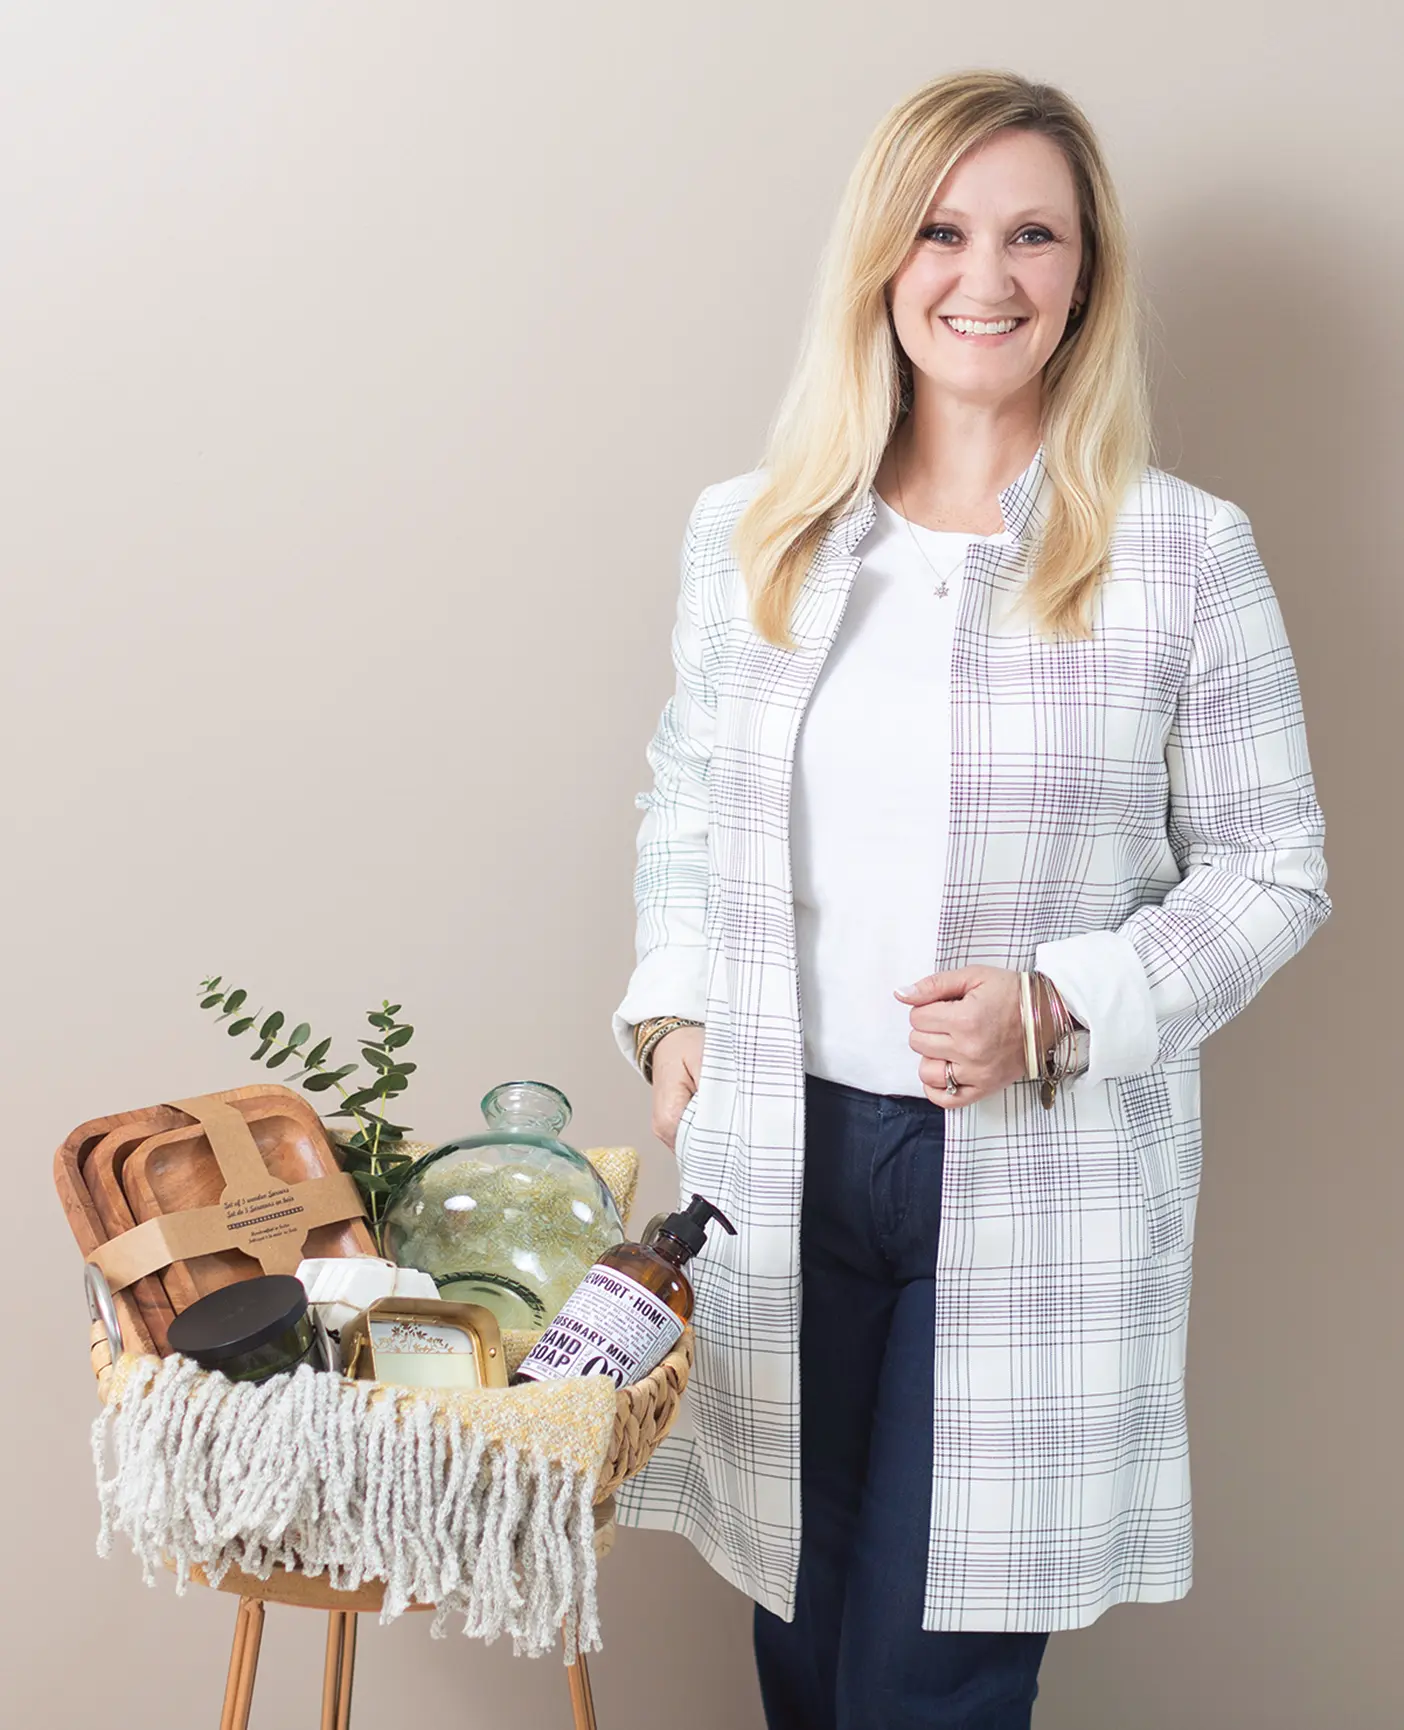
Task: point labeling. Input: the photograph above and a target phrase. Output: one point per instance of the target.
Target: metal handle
(101, 1307)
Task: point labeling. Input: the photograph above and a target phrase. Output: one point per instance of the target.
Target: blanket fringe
(312, 1473)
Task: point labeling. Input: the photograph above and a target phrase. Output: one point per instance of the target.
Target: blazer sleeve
(1244, 826)
(670, 878)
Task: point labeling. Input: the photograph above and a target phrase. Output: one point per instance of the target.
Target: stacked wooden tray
(113, 1173)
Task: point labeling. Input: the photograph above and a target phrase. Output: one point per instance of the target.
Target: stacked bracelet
(648, 1033)
(1052, 1049)
(1032, 1070)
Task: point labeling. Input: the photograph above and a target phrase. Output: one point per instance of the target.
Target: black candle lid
(238, 1317)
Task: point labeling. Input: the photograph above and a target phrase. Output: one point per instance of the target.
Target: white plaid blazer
(1142, 800)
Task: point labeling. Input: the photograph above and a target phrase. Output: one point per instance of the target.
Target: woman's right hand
(677, 1065)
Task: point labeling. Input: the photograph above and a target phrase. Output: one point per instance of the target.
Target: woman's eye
(944, 235)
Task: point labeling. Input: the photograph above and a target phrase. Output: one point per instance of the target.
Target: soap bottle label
(610, 1325)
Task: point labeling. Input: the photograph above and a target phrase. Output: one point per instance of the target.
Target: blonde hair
(849, 389)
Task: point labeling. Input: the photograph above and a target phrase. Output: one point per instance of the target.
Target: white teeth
(982, 327)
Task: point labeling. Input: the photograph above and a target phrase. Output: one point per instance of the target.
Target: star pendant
(941, 590)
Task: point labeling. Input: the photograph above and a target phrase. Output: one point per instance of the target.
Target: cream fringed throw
(479, 1502)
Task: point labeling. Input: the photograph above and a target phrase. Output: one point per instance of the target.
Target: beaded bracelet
(648, 1033)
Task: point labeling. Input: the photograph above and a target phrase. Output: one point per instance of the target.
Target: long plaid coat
(1147, 795)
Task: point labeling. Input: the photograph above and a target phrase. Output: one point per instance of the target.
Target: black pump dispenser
(690, 1226)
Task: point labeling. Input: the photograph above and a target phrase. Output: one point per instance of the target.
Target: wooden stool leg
(236, 1663)
(582, 1706)
(340, 1671)
(243, 1665)
(348, 1672)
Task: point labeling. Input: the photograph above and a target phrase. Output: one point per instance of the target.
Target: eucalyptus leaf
(376, 1136)
(388, 1131)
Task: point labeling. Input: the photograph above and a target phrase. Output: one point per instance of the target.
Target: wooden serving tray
(102, 1167)
(159, 1117)
(90, 1231)
(177, 1169)
(101, 1162)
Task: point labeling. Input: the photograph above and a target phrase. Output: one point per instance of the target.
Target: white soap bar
(341, 1286)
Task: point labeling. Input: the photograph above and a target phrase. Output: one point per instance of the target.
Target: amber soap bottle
(628, 1312)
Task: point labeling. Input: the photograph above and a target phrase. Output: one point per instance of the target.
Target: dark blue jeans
(856, 1656)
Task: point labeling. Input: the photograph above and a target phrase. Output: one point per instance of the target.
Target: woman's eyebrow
(1041, 212)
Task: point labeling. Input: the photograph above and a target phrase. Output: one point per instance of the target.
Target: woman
(964, 689)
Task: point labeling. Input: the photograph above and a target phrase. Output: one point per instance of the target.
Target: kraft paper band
(231, 1139)
(272, 1229)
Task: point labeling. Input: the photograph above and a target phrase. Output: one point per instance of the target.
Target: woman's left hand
(971, 1017)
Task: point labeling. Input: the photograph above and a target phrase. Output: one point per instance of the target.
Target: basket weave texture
(644, 1411)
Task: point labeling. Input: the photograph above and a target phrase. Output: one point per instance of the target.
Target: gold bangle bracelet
(650, 1033)
(645, 1030)
(1026, 1016)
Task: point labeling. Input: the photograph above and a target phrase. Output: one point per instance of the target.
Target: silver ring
(951, 1086)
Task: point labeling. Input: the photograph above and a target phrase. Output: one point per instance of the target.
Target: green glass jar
(510, 1219)
(251, 1330)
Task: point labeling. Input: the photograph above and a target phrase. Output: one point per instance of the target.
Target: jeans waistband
(916, 1102)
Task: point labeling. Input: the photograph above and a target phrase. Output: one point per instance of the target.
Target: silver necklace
(942, 588)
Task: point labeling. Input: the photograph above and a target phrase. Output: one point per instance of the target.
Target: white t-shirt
(869, 809)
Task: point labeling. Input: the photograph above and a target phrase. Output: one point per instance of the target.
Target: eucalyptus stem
(366, 1154)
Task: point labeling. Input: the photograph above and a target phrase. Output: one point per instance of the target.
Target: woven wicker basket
(643, 1413)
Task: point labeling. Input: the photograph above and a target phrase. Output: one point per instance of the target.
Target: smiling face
(983, 298)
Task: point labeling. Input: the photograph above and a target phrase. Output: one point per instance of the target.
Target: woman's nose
(987, 279)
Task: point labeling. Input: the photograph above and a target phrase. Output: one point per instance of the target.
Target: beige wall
(360, 366)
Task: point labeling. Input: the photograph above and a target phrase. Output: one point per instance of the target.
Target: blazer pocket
(684, 1124)
(1142, 1105)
